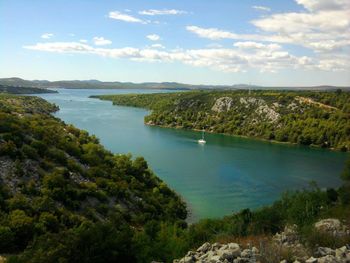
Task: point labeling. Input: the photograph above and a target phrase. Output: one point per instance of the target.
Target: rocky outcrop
(289, 236)
(327, 255)
(217, 253)
(251, 101)
(269, 113)
(288, 241)
(222, 104)
(233, 253)
(332, 227)
(262, 109)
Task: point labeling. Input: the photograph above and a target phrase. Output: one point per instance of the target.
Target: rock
(328, 259)
(255, 251)
(289, 236)
(187, 259)
(204, 248)
(246, 253)
(331, 226)
(250, 101)
(215, 246)
(222, 104)
(268, 113)
(311, 260)
(284, 261)
(235, 249)
(341, 252)
(214, 259)
(240, 260)
(324, 251)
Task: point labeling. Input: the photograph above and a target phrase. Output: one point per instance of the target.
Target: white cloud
(101, 41)
(256, 45)
(157, 45)
(47, 35)
(318, 5)
(240, 58)
(211, 33)
(323, 28)
(153, 37)
(83, 40)
(125, 17)
(214, 45)
(153, 12)
(261, 8)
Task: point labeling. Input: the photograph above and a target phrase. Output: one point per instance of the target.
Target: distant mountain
(96, 84)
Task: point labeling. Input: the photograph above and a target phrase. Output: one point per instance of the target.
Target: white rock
(341, 252)
(327, 259)
(222, 104)
(324, 251)
(204, 248)
(311, 260)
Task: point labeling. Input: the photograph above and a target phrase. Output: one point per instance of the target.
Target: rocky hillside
(309, 118)
(283, 247)
(60, 189)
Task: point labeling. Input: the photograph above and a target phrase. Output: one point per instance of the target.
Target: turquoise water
(216, 179)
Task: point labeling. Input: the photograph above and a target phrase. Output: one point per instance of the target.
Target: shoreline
(243, 136)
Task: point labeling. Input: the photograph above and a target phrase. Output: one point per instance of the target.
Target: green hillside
(60, 189)
(302, 117)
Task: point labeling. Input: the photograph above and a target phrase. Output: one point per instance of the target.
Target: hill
(96, 84)
(65, 198)
(60, 189)
(303, 117)
(24, 90)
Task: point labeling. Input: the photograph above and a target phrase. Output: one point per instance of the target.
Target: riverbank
(301, 118)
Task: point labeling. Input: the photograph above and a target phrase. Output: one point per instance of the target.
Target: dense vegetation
(23, 90)
(64, 198)
(302, 117)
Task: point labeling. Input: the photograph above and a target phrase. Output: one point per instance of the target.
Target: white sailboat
(202, 141)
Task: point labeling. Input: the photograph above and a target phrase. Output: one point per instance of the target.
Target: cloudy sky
(263, 42)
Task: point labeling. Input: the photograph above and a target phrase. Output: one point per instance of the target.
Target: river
(223, 176)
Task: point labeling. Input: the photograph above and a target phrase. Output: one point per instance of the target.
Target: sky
(259, 42)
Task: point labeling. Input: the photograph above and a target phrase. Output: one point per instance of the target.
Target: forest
(311, 118)
(65, 198)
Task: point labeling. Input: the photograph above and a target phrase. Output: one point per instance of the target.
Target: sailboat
(202, 141)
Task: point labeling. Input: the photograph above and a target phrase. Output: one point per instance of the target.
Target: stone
(311, 260)
(204, 248)
(341, 252)
(255, 250)
(246, 253)
(234, 249)
(328, 259)
(324, 251)
(214, 259)
(288, 237)
(187, 259)
(331, 226)
(222, 104)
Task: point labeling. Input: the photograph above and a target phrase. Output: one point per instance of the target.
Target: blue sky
(263, 42)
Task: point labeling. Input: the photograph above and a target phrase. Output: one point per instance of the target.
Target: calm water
(225, 175)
